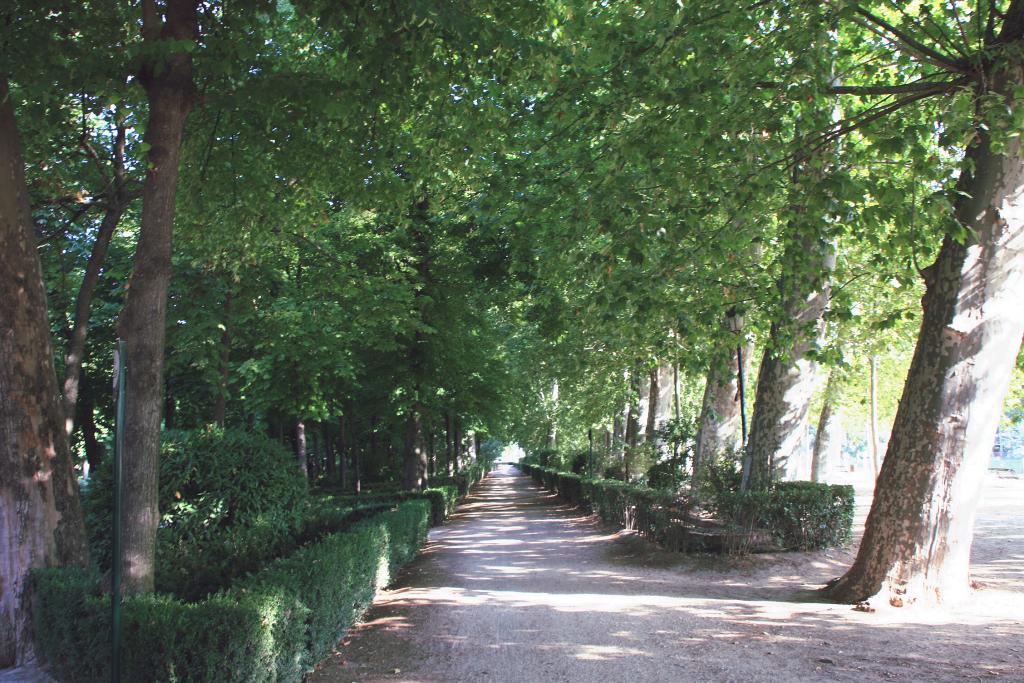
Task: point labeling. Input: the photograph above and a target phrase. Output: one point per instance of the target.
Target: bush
(801, 515)
(651, 513)
(443, 500)
(271, 626)
(211, 480)
(192, 570)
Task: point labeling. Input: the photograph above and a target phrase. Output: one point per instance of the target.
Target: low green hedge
(443, 500)
(271, 626)
(191, 569)
(650, 513)
(800, 515)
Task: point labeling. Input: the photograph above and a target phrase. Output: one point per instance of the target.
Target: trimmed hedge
(272, 626)
(651, 513)
(193, 570)
(800, 515)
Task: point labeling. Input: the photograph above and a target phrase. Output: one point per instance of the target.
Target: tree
(39, 509)
(167, 80)
(916, 544)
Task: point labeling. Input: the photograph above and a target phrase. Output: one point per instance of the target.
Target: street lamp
(735, 321)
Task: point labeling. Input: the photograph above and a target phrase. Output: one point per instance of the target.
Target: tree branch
(885, 30)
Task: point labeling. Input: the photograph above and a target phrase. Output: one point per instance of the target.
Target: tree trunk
(448, 445)
(343, 449)
(828, 438)
(220, 402)
(94, 449)
(785, 382)
(653, 394)
(917, 540)
(330, 458)
(414, 461)
(167, 79)
(719, 430)
(874, 415)
(300, 447)
(40, 517)
(457, 443)
(80, 327)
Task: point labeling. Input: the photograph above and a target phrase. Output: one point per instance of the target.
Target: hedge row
(653, 514)
(271, 626)
(800, 515)
(443, 500)
(191, 569)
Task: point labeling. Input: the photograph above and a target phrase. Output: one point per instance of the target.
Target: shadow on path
(520, 587)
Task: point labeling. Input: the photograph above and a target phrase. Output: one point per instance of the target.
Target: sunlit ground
(519, 587)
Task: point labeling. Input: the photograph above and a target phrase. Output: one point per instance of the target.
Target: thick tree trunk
(414, 460)
(828, 439)
(719, 430)
(170, 91)
(40, 518)
(917, 540)
(300, 447)
(785, 382)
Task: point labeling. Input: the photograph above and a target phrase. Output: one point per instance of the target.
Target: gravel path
(519, 587)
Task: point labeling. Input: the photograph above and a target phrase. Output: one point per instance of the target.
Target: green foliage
(443, 500)
(651, 513)
(212, 482)
(801, 515)
(272, 626)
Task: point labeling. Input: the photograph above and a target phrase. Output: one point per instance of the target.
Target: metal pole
(115, 588)
(743, 403)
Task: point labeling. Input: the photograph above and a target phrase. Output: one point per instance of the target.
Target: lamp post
(735, 319)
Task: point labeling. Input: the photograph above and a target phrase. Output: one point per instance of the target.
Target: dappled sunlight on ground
(521, 587)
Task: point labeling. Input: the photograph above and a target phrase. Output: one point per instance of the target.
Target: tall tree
(169, 32)
(40, 517)
(917, 539)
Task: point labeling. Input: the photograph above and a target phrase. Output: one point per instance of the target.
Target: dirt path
(518, 587)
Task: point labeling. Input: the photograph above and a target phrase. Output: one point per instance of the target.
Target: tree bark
(170, 91)
(719, 427)
(874, 415)
(917, 540)
(40, 517)
(220, 403)
(828, 437)
(653, 394)
(330, 458)
(80, 327)
(300, 447)
(94, 449)
(414, 461)
(786, 378)
(343, 449)
(448, 445)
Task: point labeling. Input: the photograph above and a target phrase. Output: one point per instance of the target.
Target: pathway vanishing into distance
(520, 587)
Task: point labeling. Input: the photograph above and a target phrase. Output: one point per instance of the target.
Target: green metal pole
(115, 587)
